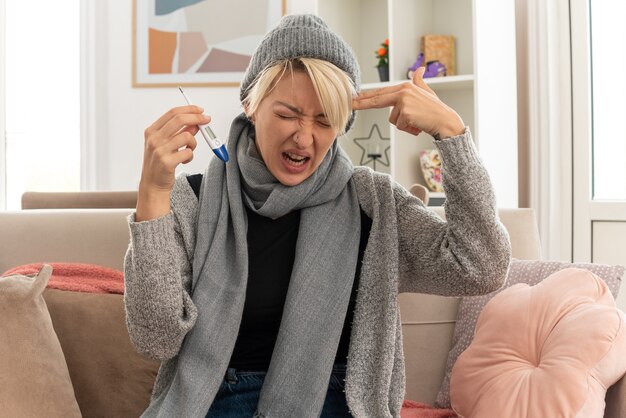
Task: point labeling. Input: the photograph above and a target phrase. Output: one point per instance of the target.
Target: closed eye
(286, 117)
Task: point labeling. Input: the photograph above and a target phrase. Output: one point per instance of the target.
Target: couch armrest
(616, 400)
(77, 200)
(521, 224)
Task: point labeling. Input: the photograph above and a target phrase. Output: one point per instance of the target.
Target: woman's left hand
(415, 108)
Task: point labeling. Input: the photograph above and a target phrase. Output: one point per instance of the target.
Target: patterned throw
(77, 277)
(412, 409)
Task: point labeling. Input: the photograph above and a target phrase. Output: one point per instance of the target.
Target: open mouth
(294, 159)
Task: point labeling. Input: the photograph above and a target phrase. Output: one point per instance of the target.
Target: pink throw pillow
(530, 272)
(548, 350)
(77, 277)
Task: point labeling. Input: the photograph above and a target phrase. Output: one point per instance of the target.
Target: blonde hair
(333, 87)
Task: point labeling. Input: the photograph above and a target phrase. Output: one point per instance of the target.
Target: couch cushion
(520, 271)
(110, 378)
(539, 351)
(34, 378)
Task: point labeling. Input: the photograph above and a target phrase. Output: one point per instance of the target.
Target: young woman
(268, 286)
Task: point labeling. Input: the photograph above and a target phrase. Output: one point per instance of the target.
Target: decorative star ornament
(376, 149)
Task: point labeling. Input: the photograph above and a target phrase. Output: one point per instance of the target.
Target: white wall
(123, 112)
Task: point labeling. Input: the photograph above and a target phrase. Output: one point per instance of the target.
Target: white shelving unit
(484, 91)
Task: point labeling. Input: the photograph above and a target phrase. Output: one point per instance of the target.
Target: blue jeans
(238, 395)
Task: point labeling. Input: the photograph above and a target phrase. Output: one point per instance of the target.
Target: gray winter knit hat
(305, 36)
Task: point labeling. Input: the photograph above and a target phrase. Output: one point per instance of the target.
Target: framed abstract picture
(198, 42)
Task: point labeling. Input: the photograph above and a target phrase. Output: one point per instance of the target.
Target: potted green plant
(382, 54)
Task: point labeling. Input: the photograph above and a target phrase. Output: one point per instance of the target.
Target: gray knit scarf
(319, 289)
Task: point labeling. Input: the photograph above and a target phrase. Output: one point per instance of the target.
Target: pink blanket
(77, 277)
(412, 409)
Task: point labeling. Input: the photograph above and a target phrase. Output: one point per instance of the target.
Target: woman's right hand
(168, 142)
